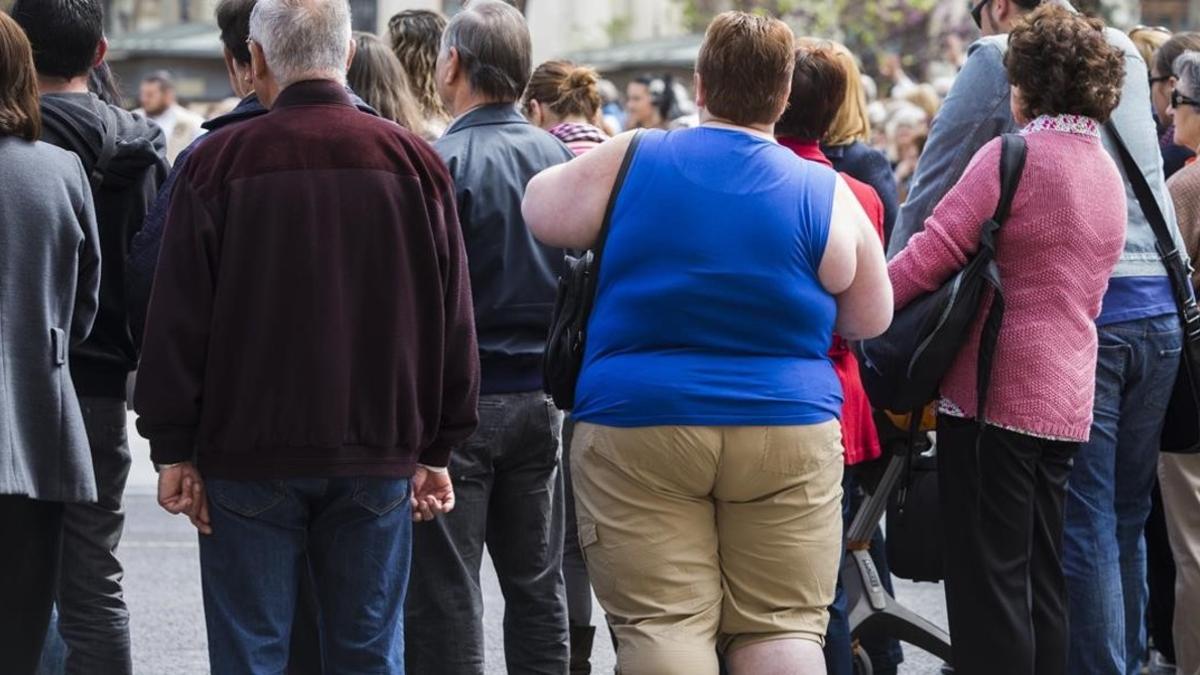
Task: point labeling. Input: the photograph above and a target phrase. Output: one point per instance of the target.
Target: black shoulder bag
(1181, 429)
(903, 368)
(563, 358)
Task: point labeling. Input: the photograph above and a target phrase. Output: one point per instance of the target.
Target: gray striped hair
(1187, 69)
(303, 39)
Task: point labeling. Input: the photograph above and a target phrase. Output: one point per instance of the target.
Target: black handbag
(1181, 428)
(903, 368)
(563, 358)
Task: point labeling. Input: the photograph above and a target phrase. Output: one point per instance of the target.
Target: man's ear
(352, 52)
(258, 61)
(701, 95)
(453, 65)
(101, 52)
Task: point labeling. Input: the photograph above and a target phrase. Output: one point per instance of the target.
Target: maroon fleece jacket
(311, 313)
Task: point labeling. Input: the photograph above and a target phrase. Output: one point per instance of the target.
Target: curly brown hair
(1063, 65)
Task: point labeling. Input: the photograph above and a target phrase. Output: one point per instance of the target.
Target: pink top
(1056, 252)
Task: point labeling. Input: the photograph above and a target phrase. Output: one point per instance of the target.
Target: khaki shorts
(698, 538)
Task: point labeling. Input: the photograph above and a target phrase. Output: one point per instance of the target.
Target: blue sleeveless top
(709, 310)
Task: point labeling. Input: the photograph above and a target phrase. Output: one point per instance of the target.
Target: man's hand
(432, 494)
(181, 490)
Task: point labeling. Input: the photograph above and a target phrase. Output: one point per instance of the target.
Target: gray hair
(1187, 69)
(303, 39)
(494, 48)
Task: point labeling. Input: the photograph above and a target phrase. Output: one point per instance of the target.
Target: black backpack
(563, 358)
(903, 368)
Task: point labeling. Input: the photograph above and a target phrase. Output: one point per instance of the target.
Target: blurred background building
(621, 38)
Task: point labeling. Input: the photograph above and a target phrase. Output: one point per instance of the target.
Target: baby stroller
(873, 612)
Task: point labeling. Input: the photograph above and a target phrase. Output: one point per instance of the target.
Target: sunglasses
(977, 13)
(1156, 80)
(1179, 100)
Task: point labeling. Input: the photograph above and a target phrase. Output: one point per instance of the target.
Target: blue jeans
(1108, 499)
(355, 533)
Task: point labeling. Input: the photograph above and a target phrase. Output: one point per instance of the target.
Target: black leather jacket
(492, 153)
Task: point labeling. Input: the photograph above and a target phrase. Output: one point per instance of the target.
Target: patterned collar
(1067, 124)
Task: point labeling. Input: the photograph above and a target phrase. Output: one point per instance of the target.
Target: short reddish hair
(19, 112)
(745, 66)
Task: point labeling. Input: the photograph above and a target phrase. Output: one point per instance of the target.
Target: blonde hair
(1148, 40)
(415, 37)
(851, 122)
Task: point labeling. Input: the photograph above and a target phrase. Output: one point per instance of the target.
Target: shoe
(581, 649)
(1159, 665)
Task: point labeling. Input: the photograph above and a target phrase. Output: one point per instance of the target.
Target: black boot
(581, 649)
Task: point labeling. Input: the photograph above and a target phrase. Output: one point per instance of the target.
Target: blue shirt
(709, 309)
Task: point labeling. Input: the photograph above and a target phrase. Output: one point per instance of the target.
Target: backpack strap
(1012, 165)
(94, 163)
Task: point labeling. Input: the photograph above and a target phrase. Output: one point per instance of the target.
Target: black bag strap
(598, 248)
(96, 164)
(606, 224)
(1168, 250)
(1012, 165)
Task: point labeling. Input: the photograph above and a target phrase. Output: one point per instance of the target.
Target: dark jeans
(355, 533)
(1160, 580)
(92, 617)
(1104, 554)
(510, 498)
(31, 531)
(1002, 498)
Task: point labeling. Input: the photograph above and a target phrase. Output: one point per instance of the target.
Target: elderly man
(507, 476)
(1108, 498)
(310, 355)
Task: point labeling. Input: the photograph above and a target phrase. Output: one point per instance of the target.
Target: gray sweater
(977, 110)
(49, 286)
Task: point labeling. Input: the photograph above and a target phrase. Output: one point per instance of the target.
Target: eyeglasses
(1178, 99)
(977, 13)
(1156, 80)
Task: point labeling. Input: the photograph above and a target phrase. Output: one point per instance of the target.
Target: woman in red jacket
(819, 85)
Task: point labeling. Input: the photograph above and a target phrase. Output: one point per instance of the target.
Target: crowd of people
(336, 294)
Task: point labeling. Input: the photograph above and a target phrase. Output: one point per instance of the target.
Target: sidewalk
(162, 582)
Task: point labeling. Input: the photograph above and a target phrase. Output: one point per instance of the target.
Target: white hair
(1187, 69)
(303, 39)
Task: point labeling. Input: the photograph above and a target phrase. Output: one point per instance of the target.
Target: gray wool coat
(49, 288)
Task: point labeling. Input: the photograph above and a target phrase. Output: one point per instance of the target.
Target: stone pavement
(162, 581)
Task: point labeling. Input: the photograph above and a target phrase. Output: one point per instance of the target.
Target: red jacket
(859, 435)
(311, 313)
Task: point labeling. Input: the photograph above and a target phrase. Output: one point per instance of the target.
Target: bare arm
(564, 205)
(854, 271)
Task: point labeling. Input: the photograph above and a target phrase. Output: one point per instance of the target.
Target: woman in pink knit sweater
(1003, 483)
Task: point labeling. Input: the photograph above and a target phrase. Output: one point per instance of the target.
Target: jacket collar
(250, 107)
(484, 115)
(805, 149)
(313, 92)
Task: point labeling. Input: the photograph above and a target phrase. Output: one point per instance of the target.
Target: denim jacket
(977, 110)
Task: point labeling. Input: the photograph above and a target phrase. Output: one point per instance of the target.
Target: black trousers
(32, 534)
(92, 616)
(1002, 496)
(509, 490)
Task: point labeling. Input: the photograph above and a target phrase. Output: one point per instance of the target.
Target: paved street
(163, 590)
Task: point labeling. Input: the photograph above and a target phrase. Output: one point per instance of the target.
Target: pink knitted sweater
(1055, 253)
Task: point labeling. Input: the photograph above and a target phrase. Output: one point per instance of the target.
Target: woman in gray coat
(49, 283)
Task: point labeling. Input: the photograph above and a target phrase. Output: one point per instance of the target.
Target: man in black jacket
(123, 154)
(507, 478)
